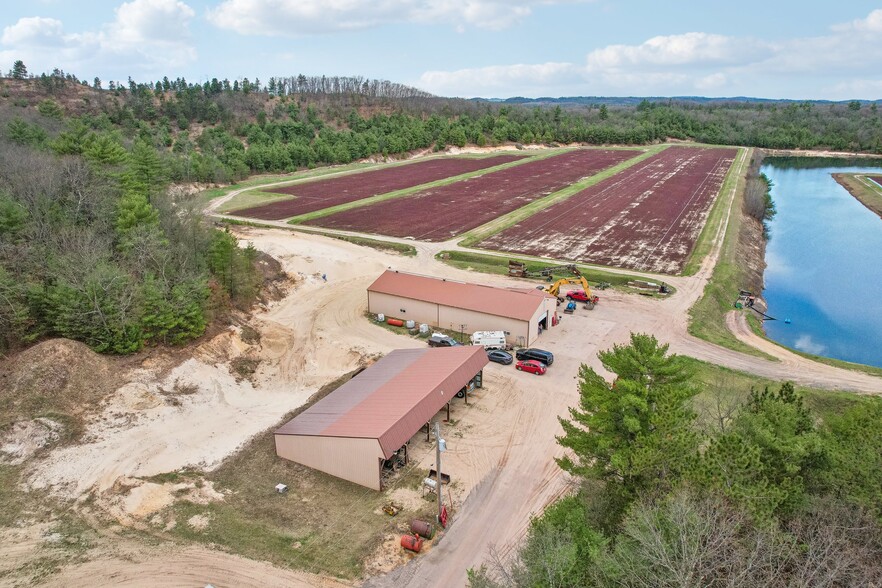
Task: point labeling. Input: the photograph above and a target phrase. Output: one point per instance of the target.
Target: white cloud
(672, 50)
(697, 63)
(289, 18)
(859, 87)
(486, 81)
(150, 35)
(711, 82)
(872, 23)
(806, 344)
(34, 30)
(146, 21)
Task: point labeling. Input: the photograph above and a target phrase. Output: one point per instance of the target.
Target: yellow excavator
(584, 296)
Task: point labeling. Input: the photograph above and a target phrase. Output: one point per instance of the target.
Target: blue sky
(488, 48)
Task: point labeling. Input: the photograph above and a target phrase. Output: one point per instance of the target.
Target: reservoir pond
(824, 261)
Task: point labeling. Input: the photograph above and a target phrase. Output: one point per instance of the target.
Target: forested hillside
(219, 130)
(93, 248)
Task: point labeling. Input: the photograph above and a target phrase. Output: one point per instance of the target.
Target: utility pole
(440, 445)
(461, 332)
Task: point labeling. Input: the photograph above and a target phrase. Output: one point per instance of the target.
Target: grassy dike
(708, 315)
(496, 264)
(722, 388)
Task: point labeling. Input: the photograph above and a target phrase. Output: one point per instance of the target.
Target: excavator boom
(554, 289)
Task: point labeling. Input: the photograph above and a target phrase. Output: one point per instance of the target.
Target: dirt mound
(275, 280)
(58, 375)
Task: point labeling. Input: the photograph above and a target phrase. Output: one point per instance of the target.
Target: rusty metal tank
(422, 528)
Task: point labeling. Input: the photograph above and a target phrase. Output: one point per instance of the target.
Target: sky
(467, 48)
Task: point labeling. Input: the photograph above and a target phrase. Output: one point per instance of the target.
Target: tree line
(295, 122)
(92, 247)
(761, 492)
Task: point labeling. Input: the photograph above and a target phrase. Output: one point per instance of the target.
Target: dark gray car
(499, 356)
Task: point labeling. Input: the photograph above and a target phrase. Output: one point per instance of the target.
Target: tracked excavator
(583, 296)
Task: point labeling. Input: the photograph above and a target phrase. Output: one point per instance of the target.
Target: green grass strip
(707, 317)
(865, 190)
(497, 264)
(499, 224)
(722, 387)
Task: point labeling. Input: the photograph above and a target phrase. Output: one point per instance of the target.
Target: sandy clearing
(147, 436)
(174, 566)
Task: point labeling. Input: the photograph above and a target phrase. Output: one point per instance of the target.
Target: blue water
(824, 265)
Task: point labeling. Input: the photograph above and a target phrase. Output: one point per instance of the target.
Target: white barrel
(424, 328)
(381, 317)
(409, 324)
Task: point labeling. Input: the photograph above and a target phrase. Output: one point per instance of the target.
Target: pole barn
(351, 431)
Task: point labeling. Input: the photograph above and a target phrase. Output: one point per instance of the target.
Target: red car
(577, 295)
(532, 366)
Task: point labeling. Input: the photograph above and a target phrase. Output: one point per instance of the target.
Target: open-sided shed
(350, 432)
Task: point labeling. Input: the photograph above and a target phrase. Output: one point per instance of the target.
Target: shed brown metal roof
(393, 398)
(509, 303)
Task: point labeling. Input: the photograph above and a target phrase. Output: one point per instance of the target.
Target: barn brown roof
(509, 303)
(393, 398)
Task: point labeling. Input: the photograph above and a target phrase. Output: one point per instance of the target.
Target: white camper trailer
(489, 339)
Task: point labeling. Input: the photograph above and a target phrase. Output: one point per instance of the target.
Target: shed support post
(428, 433)
(448, 412)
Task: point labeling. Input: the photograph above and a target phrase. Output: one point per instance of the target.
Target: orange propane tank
(412, 542)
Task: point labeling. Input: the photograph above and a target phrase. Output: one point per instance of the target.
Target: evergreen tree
(634, 434)
(19, 70)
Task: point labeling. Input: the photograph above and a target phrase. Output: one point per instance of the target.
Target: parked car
(545, 357)
(578, 295)
(499, 356)
(532, 366)
(443, 341)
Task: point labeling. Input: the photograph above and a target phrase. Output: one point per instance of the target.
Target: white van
(489, 339)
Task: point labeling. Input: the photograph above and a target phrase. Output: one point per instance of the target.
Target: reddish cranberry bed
(437, 214)
(647, 217)
(324, 193)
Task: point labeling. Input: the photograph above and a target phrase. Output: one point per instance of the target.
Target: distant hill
(635, 100)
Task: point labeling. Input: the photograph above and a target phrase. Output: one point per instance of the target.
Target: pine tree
(19, 70)
(636, 433)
